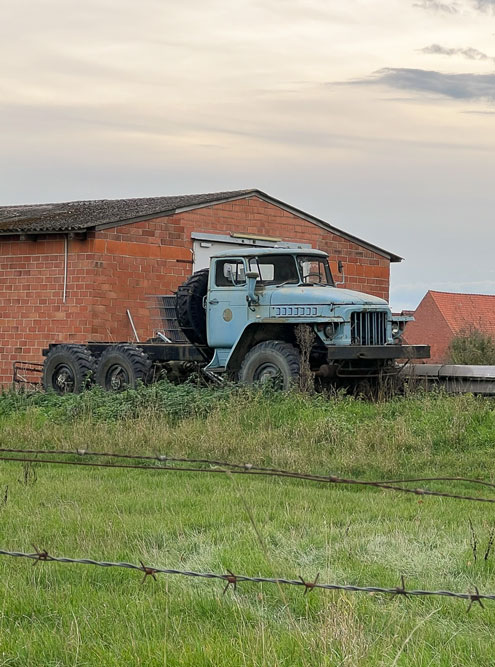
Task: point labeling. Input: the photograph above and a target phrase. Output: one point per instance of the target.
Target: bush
(473, 348)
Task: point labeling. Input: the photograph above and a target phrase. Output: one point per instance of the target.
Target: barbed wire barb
(401, 590)
(309, 585)
(475, 597)
(41, 555)
(231, 580)
(148, 572)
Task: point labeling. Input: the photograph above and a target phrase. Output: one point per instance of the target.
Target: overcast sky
(376, 115)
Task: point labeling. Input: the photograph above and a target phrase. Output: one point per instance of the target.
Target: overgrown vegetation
(161, 399)
(473, 348)
(72, 615)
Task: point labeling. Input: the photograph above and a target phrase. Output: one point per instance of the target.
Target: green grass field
(54, 614)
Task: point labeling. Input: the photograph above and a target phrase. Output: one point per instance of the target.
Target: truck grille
(369, 328)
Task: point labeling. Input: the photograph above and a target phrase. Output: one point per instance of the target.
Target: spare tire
(191, 314)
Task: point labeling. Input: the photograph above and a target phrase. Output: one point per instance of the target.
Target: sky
(376, 115)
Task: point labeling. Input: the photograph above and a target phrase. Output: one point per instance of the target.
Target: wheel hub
(64, 379)
(267, 373)
(117, 378)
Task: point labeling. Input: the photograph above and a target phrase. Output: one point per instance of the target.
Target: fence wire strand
(234, 469)
(235, 579)
(227, 464)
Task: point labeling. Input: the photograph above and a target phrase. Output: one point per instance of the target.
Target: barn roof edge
(80, 216)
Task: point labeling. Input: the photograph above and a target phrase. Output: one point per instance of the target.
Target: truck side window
(229, 273)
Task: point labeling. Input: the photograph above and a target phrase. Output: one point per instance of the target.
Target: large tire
(272, 361)
(122, 367)
(68, 369)
(189, 308)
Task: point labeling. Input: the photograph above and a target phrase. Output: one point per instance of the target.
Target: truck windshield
(314, 270)
(275, 269)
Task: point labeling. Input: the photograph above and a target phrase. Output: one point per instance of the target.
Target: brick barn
(71, 271)
(442, 315)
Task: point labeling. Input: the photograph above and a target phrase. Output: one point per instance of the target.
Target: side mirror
(251, 278)
(340, 267)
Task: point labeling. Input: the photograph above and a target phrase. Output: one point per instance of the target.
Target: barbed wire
(227, 464)
(41, 555)
(249, 470)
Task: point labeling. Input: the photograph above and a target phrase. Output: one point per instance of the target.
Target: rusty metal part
(475, 597)
(231, 580)
(27, 373)
(148, 572)
(309, 585)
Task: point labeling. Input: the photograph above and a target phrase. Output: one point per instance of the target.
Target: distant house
(442, 315)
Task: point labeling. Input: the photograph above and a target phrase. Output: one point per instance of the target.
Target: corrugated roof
(465, 311)
(82, 215)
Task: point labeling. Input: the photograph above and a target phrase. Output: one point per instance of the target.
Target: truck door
(226, 308)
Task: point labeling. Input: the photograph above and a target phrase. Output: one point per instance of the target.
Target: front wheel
(273, 361)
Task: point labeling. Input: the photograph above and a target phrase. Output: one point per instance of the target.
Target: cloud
(453, 7)
(480, 113)
(456, 86)
(469, 53)
(437, 6)
(485, 5)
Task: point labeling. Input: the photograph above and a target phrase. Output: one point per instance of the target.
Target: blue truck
(256, 315)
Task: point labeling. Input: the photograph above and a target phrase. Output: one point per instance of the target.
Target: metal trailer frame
(155, 351)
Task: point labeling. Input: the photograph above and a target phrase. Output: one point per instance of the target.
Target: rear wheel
(274, 362)
(122, 367)
(68, 369)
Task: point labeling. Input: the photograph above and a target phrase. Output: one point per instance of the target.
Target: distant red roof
(466, 311)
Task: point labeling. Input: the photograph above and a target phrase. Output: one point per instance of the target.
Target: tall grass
(58, 615)
(307, 432)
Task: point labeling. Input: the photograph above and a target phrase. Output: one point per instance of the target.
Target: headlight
(330, 330)
(396, 331)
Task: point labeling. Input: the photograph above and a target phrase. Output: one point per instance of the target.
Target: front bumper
(342, 352)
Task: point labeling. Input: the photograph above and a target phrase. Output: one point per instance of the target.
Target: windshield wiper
(318, 284)
(286, 282)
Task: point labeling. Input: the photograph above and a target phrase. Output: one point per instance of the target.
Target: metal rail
(456, 379)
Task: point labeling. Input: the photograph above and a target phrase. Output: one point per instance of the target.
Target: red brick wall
(104, 278)
(365, 271)
(429, 328)
(127, 266)
(31, 291)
